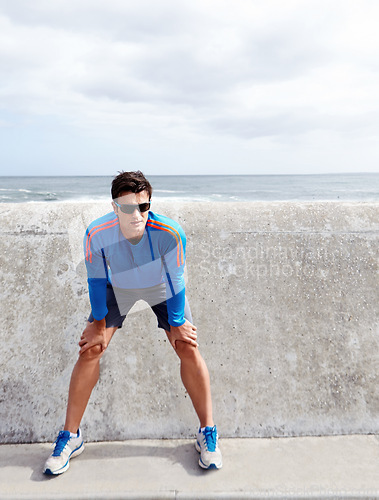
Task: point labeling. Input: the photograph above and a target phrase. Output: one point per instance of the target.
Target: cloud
(300, 122)
(244, 70)
(116, 19)
(200, 64)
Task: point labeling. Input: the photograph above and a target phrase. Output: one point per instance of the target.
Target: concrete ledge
(284, 295)
(339, 467)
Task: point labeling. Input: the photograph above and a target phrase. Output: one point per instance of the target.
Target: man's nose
(136, 211)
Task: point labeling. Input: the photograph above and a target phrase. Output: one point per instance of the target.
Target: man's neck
(134, 241)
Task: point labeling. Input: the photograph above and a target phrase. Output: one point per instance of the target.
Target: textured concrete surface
(284, 296)
(338, 467)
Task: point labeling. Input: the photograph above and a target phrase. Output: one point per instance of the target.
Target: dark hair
(130, 182)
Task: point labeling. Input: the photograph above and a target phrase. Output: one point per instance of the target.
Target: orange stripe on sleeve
(92, 229)
(92, 233)
(175, 233)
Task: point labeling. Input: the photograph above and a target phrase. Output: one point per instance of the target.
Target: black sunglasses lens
(144, 207)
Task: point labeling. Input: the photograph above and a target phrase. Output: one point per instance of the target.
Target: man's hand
(93, 334)
(185, 333)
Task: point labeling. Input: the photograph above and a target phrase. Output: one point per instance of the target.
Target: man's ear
(115, 207)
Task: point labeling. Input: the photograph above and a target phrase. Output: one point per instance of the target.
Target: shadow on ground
(34, 457)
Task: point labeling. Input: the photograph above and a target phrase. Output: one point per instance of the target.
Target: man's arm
(175, 288)
(173, 262)
(97, 274)
(94, 333)
(97, 288)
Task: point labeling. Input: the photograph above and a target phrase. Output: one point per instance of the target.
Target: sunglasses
(129, 209)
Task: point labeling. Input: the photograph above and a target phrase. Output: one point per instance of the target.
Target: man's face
(132, 225)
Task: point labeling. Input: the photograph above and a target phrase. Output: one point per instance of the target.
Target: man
(133, 253)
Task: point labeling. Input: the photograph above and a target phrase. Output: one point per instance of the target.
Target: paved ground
(345, 467)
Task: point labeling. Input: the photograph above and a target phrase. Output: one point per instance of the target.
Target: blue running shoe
(207, 446)
(66, 447)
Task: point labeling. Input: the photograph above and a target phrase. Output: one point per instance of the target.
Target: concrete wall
(284, 295)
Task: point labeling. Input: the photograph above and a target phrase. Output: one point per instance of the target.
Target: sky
(91, 87)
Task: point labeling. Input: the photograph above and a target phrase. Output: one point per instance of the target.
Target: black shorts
(120, 301)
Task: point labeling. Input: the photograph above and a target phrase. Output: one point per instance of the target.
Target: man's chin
(135, 235)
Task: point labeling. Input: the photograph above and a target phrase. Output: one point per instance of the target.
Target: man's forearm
(175, 308)
(97, 288)
(100, 323)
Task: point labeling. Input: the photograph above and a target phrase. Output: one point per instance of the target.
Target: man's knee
(186, 350)
(92, 353)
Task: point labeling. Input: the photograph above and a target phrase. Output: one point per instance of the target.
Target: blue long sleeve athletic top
(158, 257)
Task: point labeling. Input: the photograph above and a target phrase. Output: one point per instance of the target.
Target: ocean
(223, 188)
